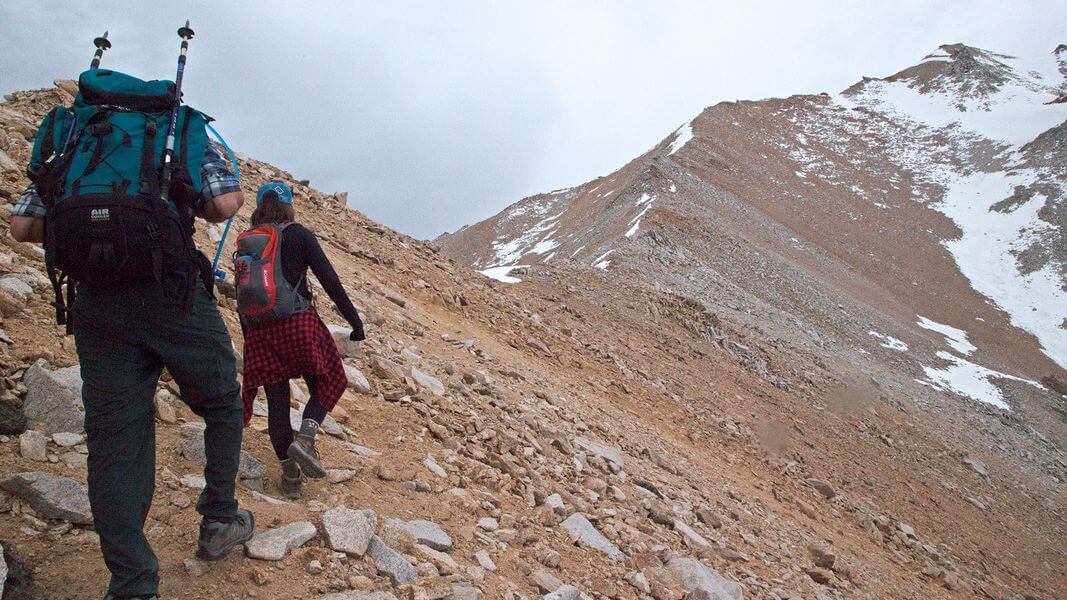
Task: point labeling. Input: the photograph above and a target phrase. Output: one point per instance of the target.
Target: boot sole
(311, 467)
(203, 554)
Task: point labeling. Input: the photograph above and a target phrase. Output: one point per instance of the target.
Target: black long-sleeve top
(301, 250)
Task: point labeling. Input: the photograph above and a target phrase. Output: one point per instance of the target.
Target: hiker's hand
(27, 229)
(222, 207)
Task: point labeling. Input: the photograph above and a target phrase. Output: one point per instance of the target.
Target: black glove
(356, 336)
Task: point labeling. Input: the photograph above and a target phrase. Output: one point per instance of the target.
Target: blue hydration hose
(237, 173)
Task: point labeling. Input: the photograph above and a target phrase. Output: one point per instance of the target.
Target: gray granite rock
(347, 530)
(53, 399)
(16, 287)
(193, 481)
(347, 347)
(50, 496)
(357, 381)
(611, 454)
(463, 590)
(555, 502)
(391, 563)
(274, 544)
(690, 534)
(66, 439)
(564, 592)
(427, 382)
(585, 533)
(33, 445)
(697, 578)
(426, 533)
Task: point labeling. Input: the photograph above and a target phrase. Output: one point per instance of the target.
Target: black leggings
(278, 424)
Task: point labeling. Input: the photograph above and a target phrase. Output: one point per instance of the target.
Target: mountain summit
(936, 193)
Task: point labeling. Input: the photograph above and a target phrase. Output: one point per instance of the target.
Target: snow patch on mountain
(634, 225)
(889, 341)
(957, 338)
(681, 137)
(502, 274)
(928, 128)
(600, 262)
(507, 251)
(972, 381)
(986, 254)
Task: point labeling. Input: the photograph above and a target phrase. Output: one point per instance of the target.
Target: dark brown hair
(272, 211)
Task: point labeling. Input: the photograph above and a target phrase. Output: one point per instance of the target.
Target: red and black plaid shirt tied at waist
(289, 348)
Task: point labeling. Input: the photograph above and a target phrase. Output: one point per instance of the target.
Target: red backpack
(263, 292)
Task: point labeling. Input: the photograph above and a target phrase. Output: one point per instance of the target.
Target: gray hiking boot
(291, 479)
(302, 450)
(218, 538)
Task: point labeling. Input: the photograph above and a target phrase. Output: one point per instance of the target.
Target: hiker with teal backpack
(118, 179)
(284, 337)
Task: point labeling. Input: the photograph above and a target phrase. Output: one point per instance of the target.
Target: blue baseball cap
(285, 195)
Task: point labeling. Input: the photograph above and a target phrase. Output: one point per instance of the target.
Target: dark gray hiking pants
(125, 337)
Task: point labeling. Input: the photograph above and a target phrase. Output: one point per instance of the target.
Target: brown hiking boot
(291, 479)
(302, 450)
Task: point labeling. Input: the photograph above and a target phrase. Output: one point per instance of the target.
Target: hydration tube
(237, 173)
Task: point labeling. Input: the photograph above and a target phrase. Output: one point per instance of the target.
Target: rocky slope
(928, 201)
(580, 434)
(909, 229)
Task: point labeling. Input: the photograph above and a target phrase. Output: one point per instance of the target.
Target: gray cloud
(432, 115)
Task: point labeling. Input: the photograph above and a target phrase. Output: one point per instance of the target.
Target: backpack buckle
(99, 129)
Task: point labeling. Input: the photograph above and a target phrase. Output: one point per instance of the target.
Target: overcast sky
(437, 114)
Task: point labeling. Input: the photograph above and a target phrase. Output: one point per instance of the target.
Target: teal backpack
(97, 167)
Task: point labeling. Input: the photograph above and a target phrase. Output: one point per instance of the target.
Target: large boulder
(53, 399)
(701, 581)
(51, 497)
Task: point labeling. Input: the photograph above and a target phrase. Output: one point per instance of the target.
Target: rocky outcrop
(52, 497)
(53, 399)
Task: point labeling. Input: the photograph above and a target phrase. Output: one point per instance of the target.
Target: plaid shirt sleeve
(215, 175)
(29, 204)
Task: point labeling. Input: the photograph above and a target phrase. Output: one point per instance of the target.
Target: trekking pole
(186, 34)
(101, 44)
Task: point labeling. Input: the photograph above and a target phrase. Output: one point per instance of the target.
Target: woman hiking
(284, 336)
